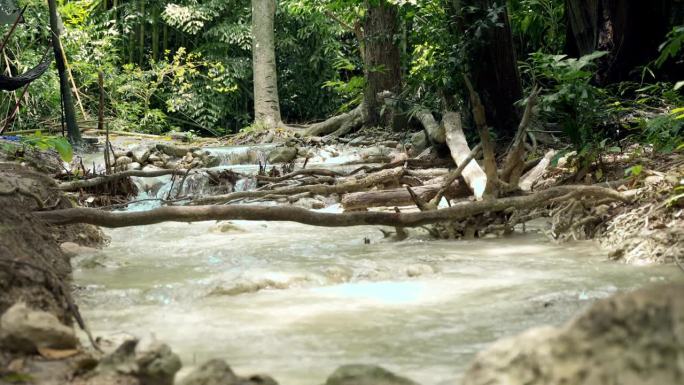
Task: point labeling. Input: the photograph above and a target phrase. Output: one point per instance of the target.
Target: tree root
(93, 182)
(295, 214)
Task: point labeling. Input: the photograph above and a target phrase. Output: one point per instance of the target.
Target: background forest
(187, 65)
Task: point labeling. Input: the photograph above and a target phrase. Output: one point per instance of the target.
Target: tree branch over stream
(295, 214)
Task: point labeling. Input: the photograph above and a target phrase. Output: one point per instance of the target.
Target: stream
(297, 301)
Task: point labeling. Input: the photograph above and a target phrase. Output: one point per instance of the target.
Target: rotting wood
(335, 123)
(316, 218)
(474, 176)
(307, 172)
(434, 130)
(453, 176)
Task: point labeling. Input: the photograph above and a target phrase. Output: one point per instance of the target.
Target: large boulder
(628, 339)
(27, 330)
(282, 155)
(366, 375)
(217, 372)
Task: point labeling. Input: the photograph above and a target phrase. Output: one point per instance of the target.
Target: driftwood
(452, 177)
(472, 173)
(401, 196)
(295, 214)
(532, 176)
(434, 130)
(87, 183)
(345, 185)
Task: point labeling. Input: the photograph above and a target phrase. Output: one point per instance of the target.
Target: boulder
(158, 365)
(419, 142)
(27, 330)
(135, 166)
(141, 155)
(630, 338)
(213, 372)
(217, 372)
(366, 375)
(282, 155)
(71, 249)
(174, 151)
(212, 161)
(123, 161)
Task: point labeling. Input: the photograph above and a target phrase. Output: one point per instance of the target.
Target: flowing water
(296, 301)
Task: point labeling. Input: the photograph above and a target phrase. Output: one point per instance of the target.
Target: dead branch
(480, 118)
(335, 123)
(295, 214)
(311, 171)
(434, 130)
(400, 196)
(515, 159)
(87, 183)
(532, 176)
(347, 185)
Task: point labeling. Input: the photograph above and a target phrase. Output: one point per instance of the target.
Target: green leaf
(63, 147)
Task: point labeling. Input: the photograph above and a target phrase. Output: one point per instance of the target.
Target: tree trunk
(494, 66)
(266, 102)
(73, 132)
(382, 61)
(631, 31)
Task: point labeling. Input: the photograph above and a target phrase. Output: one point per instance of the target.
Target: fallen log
(88, 183)
(346, 185)
(434, 130)
(400, 196)
(315, 218)
(336, 122)
(532, 176)
(456, 140)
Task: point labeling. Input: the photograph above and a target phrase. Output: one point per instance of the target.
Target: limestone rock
(123, 161)
(71, 249)
(213, 372)
(419, 142)
(217, 372)
(158, 365)
(366, 375)
(141, 155)
(26, 330)
(135, 166)
(174, 151)
(630, 338)
(282, 155)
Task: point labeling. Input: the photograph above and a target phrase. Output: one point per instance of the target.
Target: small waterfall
(241, 154)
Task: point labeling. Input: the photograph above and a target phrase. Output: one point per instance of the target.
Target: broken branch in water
(295, 214)
(87, 183)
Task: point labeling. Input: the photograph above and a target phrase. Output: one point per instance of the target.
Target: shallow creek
(297, 301)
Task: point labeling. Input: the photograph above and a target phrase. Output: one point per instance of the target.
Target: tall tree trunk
(266, 102)
(631, 31)
(73, 132)
(141, 43)
(494, 66)
(155, 33)
(382, 60)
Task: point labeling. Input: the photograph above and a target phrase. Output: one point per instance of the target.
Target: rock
(158, 365)
(217, 372)
(630, 338)
(418, 269)
(26, 330)
(174, 151)
(212, 161)
(158, 164)
(309, 203)
(135, 166)
(226, 227)
(182, 136)
(282, 155)
(71, 249)
(419, 142)
(214, 372)
(141, 155)
(365, 375)
(154, 158)
(123, 161)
